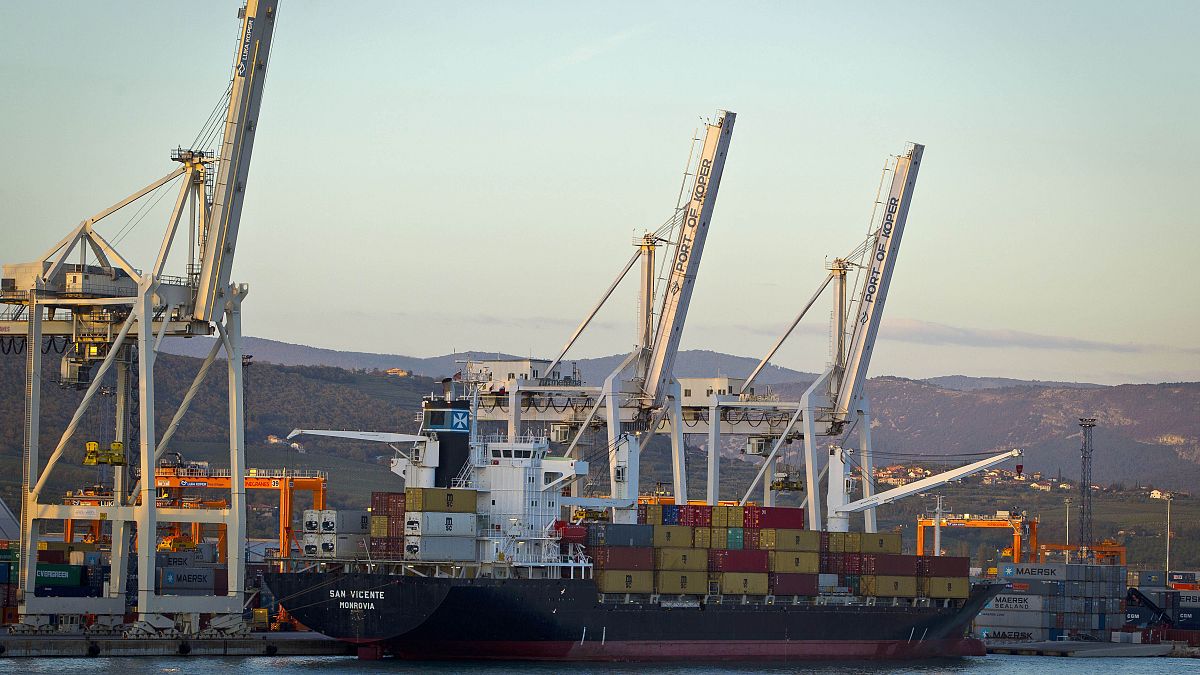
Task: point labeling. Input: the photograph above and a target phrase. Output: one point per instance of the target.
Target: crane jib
(245, 54)
(881, 250)
(693, 219)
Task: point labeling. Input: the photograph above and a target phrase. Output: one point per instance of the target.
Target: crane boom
(241, 119)
(688, 250)
(881, 261)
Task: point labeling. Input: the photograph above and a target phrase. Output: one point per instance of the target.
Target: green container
(735, 539)
(49, 574)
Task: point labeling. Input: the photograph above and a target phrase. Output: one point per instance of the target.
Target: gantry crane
(1024, 531)
(114, 316)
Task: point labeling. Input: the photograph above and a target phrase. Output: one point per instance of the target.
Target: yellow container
(682, 583)
(880, 543)
(853, 542)
(766, 539)
(442, 500)
(736, 516)
(720, 537)
(260, 618)
(837, 542)
(948, 587)
(702, 538)
(682, 559)
(720, 516)
(801, 562)
(888, 586)
(654, 514)
(744, 583)
(674, 536)
(797, 540)
(625, 581)
(379, 526)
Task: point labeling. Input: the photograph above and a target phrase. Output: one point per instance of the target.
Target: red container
(396, 525)
(622, 557)
(889, 564)
(641, 514)
(750, 538)
(221, 581)
(943, 566)
(54, 557)
(752, 516)
(781, 517)
(699, 514)
(794, 584)
(852, 563)
(824, 542)
(745, 560)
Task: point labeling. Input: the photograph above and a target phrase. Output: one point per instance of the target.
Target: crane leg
(867, 462)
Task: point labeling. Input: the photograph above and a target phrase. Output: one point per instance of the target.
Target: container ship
(479, 562)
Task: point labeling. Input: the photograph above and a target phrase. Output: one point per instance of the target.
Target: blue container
(670, 514)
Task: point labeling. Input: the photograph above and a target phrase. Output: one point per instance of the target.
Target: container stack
(10, 553)
(756, 551)
(440, 524)
(387, 525)
(344, 533)
(190, 572)
(1048, 601)
(1176, 593)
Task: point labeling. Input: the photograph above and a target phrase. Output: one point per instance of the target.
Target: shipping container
(720, 517)
(672, 582)
(57, 574)
(751, 538)
(744, 583)
(440, 499)
(571, 534)
(794, 584)
(720, 537)
(681, 559)
(1189, 598)
(622, 557)
(625, 581)
(880, 542)
(801, 562)
(735, 516)
(1181, 577)
(698, 515)
(767, 539)
(890, 564)
(834, 542)
(1152, 578)
(677, 536)
(735, 538)
(311, 520)
(439, 524)
(825, 580)
(752, 516)
(350, 546)
(345, 521)
(944, 566)
(703, 537)
(670, 514)
(798, 540)
(311, 544)
(191, 578)
(617, 534)
(1012, 634)
(388, 548)
(781, 518)
(439, 549)
(887, 586)
(852, 542)
(948, 587)
(1016, 602)
(379, 525)
(738, 561)
(327, 545)
(184, 558)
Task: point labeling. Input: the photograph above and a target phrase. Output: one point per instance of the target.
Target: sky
(432, 177)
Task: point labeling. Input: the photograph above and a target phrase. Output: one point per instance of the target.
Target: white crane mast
(689, 248)
(880, 262)
(241, 120)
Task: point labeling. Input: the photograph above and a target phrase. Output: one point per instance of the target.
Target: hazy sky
(432, 177)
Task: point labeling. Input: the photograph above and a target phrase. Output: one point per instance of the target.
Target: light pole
(1168, 572)
(1067, 519)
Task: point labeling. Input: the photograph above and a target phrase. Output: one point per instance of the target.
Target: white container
(328, 545)
(434, 524)
(1012, 634)
(1007, 602)
(312, 520)
(991, 618)
(311, 544)
(827, 580)
(440, 549)
(345, 521)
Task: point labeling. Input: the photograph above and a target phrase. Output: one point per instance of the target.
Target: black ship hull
(551, 619)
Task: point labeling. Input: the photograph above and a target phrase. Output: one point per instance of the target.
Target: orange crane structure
(1024, 531)
(173, 482)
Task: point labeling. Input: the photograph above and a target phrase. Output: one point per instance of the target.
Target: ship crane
(115, 317)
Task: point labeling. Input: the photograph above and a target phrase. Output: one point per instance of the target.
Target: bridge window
(687, 392)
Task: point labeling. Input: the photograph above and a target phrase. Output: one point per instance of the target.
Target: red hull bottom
(689, 650)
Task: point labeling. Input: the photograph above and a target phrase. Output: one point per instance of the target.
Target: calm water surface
(997, 665)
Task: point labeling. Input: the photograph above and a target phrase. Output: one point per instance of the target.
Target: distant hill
(689, 363)
(965, 383)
